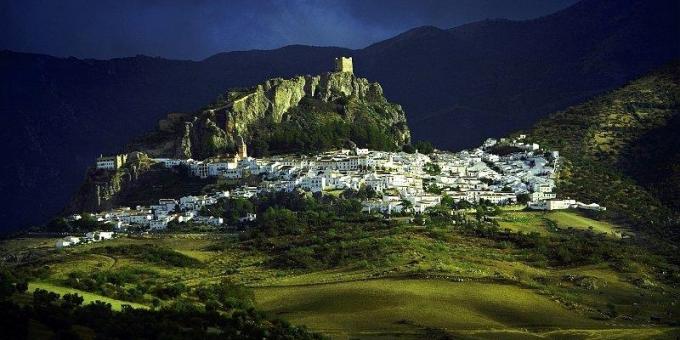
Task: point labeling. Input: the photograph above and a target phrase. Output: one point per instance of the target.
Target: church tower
(242, 152)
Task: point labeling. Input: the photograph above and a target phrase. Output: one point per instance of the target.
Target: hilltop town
(499, 172)
(507, 171)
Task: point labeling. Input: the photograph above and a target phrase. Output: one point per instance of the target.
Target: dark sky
(196, 29)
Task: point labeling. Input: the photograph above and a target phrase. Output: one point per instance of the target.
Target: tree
(72, 300)
(366, 192)
(6, 284)
(42, 298)
(424, 147)
(274, 220)
(447, 201)
(406, 205)
(21, 286)
(433, 189)
(408, 148)
(156, 302)
(58, 225)
(432, 169)
(523, 198)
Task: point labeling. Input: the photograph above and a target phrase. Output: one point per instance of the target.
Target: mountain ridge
(487, 84)
(619, 148)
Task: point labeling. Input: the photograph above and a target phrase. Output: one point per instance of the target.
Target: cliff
(300, 114)
(101, 187)
(139, 182)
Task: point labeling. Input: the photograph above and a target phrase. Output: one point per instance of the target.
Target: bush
(424, 147)
(151, 253)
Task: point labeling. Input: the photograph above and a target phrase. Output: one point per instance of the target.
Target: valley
(539, 199)
(429, 280)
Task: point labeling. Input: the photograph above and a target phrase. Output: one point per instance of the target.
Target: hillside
(458, 86)
(622, 148)
(303, 114)
(480, 273)
(300, 114)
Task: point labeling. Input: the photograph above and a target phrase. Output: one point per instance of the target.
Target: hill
(621, 149)
(458, 86)
(303, 114)
(459, 273)
(300, 114)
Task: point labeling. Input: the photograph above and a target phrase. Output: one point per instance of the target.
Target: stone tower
(344, 64)
(242, 151)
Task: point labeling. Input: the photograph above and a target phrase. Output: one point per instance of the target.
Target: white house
(313, 183)
(199, 169)
(250, 217)
(159, 223)
(209, 220)
(99, 235)
(67, 241)
(560, 204)
(140, 219)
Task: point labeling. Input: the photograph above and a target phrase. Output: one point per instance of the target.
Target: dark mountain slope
(622, 149)
(58, 114)
(457, 86)
(495, 76)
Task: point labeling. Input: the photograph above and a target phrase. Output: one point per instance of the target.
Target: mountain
(492, 77)
(300, 114)
(59, 114)
(622, 150)
(457, 87)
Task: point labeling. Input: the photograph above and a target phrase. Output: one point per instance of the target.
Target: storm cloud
(195, 29)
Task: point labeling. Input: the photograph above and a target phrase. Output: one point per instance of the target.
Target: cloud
(195, 29)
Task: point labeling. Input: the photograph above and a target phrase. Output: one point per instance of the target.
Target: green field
(566, 219)
(539, 221)
(422, 282)
(398, 307)
(87, 296)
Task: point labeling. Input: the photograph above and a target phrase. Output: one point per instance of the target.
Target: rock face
(300, 114)
(304, 104)
(101, 188)
(138, 182)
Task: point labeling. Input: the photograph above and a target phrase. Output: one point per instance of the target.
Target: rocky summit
(299, 114)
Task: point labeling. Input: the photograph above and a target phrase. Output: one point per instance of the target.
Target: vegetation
(459, 269)
(85, 224)
(432, 169)
(611, 156)
(302, 249)
(503, 149)
(150, 253)
(317, 125)
(48, 315)
(424, 147)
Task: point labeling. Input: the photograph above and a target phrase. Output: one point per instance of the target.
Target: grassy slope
(393, 305)
(534, 221)
(386, 308)
(87, 296)
(604, 141)
(500, 296)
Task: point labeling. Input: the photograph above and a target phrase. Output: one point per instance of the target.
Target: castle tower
(242, 151)
(344, 64)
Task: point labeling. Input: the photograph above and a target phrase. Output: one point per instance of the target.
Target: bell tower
(242, 151)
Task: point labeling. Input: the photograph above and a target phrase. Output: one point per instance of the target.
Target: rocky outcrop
(101, 188)
(256, 112)
(304, 113)
(273, 99)
(138, 182)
